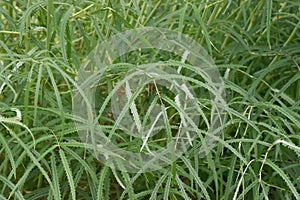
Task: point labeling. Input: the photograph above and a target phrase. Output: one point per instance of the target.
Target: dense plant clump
(255, 46)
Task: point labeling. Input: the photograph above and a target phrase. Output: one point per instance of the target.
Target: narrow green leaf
(287, 180)
(56, 184)
(68, 173)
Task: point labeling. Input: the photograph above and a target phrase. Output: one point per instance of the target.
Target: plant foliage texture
(255, 45)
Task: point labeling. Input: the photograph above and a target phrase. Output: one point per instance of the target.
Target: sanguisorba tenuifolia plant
(255, 46)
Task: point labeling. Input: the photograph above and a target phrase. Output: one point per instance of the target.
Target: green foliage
(255, 45)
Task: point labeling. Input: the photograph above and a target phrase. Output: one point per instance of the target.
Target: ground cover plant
(255, 46)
